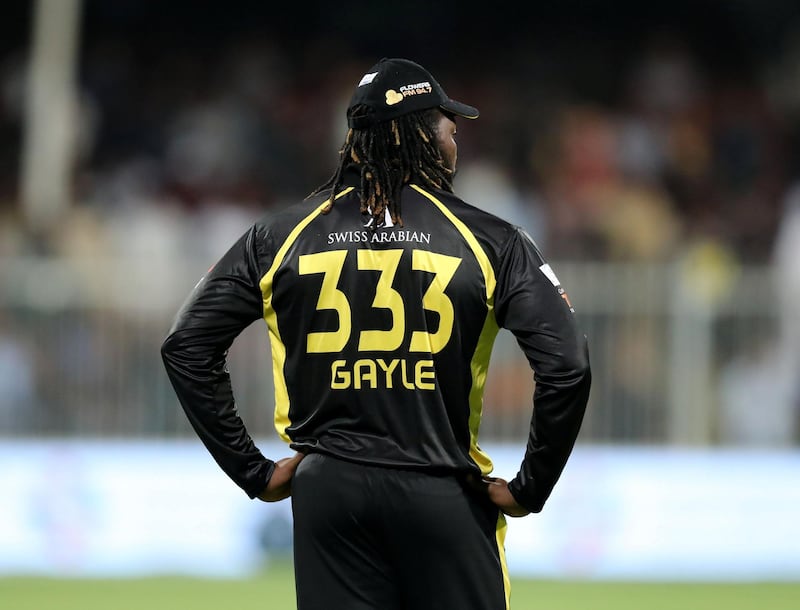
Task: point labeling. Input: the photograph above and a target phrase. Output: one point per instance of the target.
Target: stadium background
(651, 149)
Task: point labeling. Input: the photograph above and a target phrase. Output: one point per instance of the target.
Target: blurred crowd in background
(616, 138)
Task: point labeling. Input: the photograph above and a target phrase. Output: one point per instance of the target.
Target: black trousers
(385, 539)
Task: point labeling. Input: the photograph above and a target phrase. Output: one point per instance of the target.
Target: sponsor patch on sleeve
(551, 275)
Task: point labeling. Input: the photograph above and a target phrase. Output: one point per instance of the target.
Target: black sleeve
(223, 303)
(532, 305)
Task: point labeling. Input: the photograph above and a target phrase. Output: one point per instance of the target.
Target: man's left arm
(531, 304)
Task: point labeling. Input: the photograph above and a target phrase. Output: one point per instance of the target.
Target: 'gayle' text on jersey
(379, 374)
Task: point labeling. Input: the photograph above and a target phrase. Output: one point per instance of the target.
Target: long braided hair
(388, 156)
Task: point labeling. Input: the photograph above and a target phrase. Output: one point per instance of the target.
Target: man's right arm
(222, 304)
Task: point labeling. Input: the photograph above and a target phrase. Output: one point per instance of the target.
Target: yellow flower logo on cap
(393, 97)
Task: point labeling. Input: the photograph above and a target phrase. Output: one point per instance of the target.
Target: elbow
(571, 372)
(176, 340)
(583, 369)
(582, 366)
(576, 366)
(169, 348)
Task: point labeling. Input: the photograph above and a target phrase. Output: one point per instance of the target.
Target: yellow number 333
(331, 264)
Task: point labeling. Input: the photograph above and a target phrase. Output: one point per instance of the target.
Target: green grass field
(274, 590)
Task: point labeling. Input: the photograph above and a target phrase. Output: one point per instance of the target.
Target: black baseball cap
(394, 87)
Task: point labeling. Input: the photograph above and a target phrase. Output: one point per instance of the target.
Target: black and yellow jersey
(381, 339)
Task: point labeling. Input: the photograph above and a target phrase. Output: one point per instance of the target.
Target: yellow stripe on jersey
(500, 536)
(282, 421)
(480, 366)
(472, 241)
(480, 359)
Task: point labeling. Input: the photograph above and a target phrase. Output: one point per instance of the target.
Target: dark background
(531, 68)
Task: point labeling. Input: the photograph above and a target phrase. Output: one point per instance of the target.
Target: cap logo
(367, 79)
(416, 89)
(393, 97)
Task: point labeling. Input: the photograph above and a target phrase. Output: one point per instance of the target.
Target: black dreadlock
(388, 156)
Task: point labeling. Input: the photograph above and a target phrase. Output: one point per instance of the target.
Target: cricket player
(383, 293)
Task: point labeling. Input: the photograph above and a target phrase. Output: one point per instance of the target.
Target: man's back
(386, 332)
